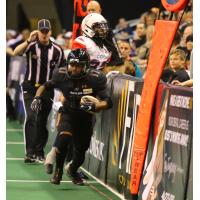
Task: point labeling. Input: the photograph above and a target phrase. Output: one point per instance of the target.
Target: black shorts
(81, 127)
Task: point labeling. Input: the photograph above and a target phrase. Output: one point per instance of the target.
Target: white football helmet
(94, 24)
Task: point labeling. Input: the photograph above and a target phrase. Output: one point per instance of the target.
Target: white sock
(51, 156)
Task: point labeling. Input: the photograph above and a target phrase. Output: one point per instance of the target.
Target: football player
(99, 42)
(76, 121)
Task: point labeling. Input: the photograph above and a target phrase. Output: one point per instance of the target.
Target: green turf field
(30, 182)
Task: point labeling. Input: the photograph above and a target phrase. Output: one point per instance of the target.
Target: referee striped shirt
(42, 60)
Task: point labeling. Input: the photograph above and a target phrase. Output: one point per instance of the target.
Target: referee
(43, 56)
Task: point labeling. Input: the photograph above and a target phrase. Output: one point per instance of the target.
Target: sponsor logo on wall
(96, 148)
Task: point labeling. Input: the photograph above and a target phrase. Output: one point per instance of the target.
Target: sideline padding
(161, 43)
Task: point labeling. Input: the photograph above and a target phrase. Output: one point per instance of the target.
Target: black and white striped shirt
(42, 60)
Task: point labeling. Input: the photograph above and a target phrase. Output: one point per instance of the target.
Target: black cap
(44, 24)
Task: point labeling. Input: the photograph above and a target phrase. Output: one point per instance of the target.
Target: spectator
(139, 35)
(149, 17)
(142, 53)
(93, 7)
(187, 31)
(123, 30)
(186, 20)
(129, 67)
(167, 75)
(188, 83)
(15, 70)
(68, 39)
(177, 40)
(177, 66)
(164, 15)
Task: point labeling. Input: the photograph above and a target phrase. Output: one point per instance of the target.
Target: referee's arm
(19, 50)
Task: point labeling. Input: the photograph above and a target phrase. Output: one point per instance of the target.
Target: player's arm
(40, 91)
(101, 105)
(91, 104)
(51, 84)
(36, 104)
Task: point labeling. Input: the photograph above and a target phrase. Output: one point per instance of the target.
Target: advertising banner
(167, 175)
(126, 100)
(96, 156)
(177, 144)
(96, 160)
(189, 195)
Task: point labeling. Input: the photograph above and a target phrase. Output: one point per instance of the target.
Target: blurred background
(21, 14)
(131, 21)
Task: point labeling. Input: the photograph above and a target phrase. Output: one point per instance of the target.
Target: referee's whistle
(37, 85)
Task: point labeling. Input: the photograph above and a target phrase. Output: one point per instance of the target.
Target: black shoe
(76, 178)
(30, 159)
(57, 177)
(40, 159)
(48, 168)
(83, 175)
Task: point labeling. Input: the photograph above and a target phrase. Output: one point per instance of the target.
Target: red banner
(79, 13)
(162, 40)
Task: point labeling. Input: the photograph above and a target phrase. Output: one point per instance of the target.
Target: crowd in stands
(134, 42)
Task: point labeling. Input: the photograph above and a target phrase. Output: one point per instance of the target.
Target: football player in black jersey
(76, 122)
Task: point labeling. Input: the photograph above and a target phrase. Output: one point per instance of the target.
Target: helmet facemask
(100, 29)
(83, 66)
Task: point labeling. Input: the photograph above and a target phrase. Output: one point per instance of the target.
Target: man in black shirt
(76, 121)
(43, 56)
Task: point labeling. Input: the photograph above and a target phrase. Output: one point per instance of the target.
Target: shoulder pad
(95, 73)
(59, 74)
(98, 78)
(62, 70)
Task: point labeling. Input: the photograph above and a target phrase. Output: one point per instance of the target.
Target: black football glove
(89, 107)
(36, 104)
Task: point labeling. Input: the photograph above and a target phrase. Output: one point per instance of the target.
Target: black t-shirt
(168, 75)
(181, 75)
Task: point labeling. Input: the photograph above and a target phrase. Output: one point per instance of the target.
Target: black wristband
(61, 109)
(37, 97)
(28, 42)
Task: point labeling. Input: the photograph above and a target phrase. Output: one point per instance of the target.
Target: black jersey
(94, 84)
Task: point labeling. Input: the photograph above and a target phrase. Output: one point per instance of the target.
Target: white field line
(41, 181)
(86, 182)
(103, 184)
(14, 142)
(14, 130)
(15, 159)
